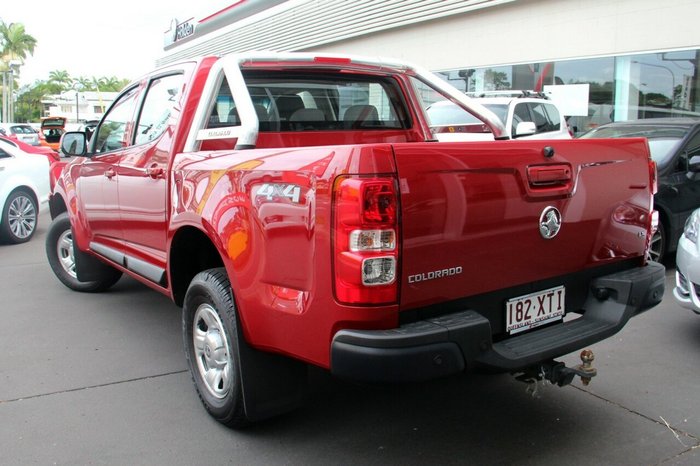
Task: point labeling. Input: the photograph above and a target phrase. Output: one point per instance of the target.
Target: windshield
(662, 140)
(447, 113)
(501, 111)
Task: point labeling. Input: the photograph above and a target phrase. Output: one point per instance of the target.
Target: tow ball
(557, 372)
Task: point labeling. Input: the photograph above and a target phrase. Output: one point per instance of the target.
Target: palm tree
(15, 43)
(61, 79)
(85, 84)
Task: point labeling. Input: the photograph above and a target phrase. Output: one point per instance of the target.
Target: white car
(523, 117)
(687, 290)
(24, 192)
(22, 132)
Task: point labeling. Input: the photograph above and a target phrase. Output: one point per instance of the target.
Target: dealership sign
(179, 31)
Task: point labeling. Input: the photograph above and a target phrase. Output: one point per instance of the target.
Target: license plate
(535, 309)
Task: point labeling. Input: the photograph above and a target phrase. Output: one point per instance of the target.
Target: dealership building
(601, 60)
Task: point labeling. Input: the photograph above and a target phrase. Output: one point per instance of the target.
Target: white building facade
(78, 106)
(623, 59)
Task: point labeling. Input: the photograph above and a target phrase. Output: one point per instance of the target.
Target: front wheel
(19, 217)
(61, 255)
(210, 335)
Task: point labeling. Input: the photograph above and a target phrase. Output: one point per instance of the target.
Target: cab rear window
(330, 102)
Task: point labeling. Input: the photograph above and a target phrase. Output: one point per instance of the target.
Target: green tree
(61, 79)
(85, 84)
(495, 80)
(112, 84)
(29, 107)
(15, 44)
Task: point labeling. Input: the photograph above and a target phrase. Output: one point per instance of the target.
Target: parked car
(524, 114)
(20, 132)
(89, 127)
(47, 152)
(24, 191)
(51, 130)
(687, 290)
(674, 144)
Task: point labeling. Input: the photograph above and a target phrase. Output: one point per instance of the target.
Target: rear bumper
(460, 341)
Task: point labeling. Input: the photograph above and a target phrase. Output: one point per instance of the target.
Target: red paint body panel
(473, 206)
(278, 253)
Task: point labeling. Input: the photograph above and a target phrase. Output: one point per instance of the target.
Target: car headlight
(692, 226)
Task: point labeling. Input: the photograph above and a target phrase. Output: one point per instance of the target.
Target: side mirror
(73, 143)
(525, 128)
(694, 164)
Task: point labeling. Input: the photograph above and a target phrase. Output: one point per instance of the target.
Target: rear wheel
(19, 217)
(61, 255)
(210, 335)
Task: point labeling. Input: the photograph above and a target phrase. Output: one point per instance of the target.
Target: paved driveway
(101, 379)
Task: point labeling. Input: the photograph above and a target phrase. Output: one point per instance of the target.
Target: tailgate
(480, 217)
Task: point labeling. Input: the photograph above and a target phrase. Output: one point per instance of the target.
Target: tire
(59, 251)
(19, 217)
(210, 333)
(657, 249)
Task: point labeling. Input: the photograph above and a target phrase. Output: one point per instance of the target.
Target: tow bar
(557, 372)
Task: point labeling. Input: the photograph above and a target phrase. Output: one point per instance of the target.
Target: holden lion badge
(550, 222)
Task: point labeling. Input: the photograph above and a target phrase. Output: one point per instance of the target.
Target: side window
(224, 112)
(112, 132)
(553, 117)
(520, 114)
(4, 155)
(692, 149)
(539, 116)
(162, 97)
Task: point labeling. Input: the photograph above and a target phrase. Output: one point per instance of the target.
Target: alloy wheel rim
(211, 351)
(655, 246)
(22, 217)
(65, 253)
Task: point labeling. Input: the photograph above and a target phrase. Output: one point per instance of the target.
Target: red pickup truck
(300, 211)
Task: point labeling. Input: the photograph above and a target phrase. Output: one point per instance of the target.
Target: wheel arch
(26, 189)
(191, 251)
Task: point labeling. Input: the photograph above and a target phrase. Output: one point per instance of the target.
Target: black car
(675, 147)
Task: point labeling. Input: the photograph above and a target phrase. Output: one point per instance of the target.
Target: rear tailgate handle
(550, 180)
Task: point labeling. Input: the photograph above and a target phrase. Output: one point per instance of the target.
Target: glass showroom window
(651, 85)
(662, 84)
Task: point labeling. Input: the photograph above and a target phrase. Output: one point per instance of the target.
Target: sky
(121, 39)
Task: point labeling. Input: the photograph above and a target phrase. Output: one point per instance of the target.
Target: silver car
(687, 290)
(20, 132)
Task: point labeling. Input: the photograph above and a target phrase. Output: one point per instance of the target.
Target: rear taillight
(653, 178)
(366, 236)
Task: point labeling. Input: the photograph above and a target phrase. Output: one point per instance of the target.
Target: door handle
(549, 174)
(110, 173)
(550, 180)
(154, 171)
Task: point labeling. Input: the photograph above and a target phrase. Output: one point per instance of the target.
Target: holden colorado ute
(300, 211)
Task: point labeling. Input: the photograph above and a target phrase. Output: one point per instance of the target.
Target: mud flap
(272, 384)
(89, 268)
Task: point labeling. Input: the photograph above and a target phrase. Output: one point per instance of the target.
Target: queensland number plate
(533, 310)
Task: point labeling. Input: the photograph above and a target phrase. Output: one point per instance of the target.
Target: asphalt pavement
(102, 379)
